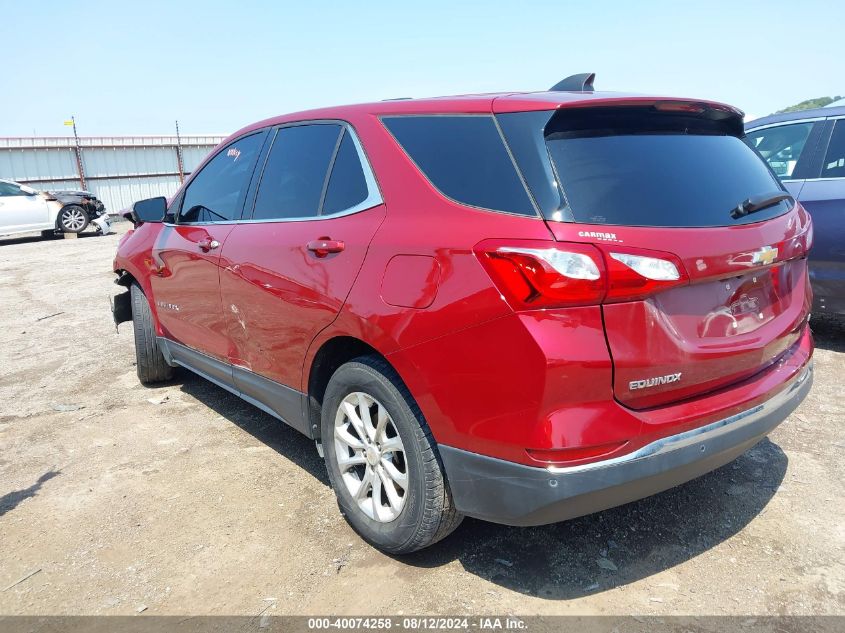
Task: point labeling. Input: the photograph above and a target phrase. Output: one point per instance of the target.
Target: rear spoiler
(619, 113)
(582, 82)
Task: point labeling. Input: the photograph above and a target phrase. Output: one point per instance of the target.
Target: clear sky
(124, 67)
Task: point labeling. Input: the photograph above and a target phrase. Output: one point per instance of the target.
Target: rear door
(697, 299)
(186, 255)
(823, 195)
(291, 263)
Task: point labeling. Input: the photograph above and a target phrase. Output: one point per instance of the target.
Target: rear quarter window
(465, 158)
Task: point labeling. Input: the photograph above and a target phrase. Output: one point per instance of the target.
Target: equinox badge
(653, 382)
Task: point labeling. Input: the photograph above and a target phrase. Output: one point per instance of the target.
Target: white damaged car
(23, 209)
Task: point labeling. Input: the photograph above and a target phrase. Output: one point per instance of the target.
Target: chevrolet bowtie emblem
(765, 256)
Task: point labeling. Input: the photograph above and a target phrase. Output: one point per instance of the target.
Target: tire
(73, 219)
(151, 366)
(426, 512)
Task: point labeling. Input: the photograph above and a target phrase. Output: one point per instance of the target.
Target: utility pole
(179, 155)
(78, 151)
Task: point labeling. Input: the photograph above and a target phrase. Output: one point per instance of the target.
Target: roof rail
(575, 83)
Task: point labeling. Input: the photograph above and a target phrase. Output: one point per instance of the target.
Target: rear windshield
(637, 167)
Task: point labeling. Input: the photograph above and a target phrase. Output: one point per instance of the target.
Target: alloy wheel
(371, 457)
(73, 219)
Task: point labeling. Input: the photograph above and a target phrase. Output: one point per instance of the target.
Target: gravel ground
(184, 500)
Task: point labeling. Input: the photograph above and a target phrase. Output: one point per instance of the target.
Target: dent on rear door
(277, 295)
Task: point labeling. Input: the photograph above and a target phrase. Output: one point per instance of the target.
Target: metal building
(118, 169)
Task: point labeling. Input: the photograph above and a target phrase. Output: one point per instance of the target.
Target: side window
(781, 145)
(173, 207)
(7, 189)
(294, 176)
(215, 193)
(834, 160)
(465, 158)
(347, 182)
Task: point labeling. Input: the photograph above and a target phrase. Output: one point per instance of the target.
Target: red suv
(516, 307)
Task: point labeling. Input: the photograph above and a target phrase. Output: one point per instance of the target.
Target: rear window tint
(465, 158)
(639, 168)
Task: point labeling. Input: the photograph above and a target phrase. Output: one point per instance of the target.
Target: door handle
(324, 246)
(208, 244)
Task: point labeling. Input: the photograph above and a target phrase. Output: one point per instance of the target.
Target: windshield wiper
(759, 202)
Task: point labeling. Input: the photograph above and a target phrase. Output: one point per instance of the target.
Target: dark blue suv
(806, 150)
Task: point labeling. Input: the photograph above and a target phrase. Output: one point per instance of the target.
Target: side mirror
(28, 191)
(149, 210)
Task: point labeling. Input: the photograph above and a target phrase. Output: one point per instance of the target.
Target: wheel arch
(328, 357)
(65, 205)
(128, 275)
(125, 278)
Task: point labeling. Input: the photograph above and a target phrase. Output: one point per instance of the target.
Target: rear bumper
(506, 492)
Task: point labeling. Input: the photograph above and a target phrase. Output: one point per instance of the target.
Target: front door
(186, 255)
(21, 209)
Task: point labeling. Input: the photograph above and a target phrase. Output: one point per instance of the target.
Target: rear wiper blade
(759, 202)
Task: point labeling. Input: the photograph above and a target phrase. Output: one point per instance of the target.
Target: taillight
(635, 274)
(649, 267)
(533, 275)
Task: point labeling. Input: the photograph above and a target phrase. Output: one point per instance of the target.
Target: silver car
(23, 209)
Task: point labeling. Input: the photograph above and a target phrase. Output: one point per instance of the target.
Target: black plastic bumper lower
(510, 493)
(121, 307)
